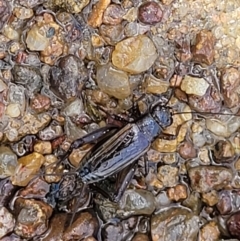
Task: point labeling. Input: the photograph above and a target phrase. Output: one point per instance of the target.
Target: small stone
(56, 231)
(43, 147)
(174, 224)
(206, 178)
(187, 150)
(95, 17)
(135, 54)
(86, 224)
(211, 198)
(177, 193)
(155, 86)
(203, 49)
(230, 82)
(224, 128)
(77, 155)
(5, 12)
(40, 103)
(26, 169)
(168, 175)
(209, 232)
(36, 39)
(8, 162)
(223, 152)
(193, 85)
(150, 13)
(10, 32)
(113, 82)
(113, 14)
(233, 225)
(7, 222)
(13, 110)
(22, 12)
(140, 237)
(136, 202)
(51, 167)
(67, 76)
(224, 204)
(32, 219)
(37, 189)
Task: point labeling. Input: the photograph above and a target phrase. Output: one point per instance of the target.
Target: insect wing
(120, 151)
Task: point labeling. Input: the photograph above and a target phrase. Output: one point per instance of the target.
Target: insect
(117, 150)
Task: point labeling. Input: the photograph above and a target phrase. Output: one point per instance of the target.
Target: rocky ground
(69, 67)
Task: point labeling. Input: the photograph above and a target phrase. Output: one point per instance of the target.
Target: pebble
(224, 205)
(140, 237)
(113, 14)
(230, 82)
(26, 169)
(113, 82)
(206, 178)
(66, 77)
(40, 103)
(168, 175)
(8, 162)
(223, 152)
(96, 16)
(5, 12)
(71, 6)
(224, 128)
(211, 198)
(22, 12)
(136, 202)
(193, 85)
(86, 224)
(32, 218)
(175, 224)
(209, 232)
(13, 110)
(51, 167)
(150, 13)
(135, 54)
(7, 222)
(43, 147)
(56, 227)
(233, 225)
(177, 193)
(187, 150)
(203, 49)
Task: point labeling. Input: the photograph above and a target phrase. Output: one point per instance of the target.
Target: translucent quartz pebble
(135, 54)
(8, 162)
(113, 82)
(36, 39)
(196, 86)
(26, 169)
(223, 128)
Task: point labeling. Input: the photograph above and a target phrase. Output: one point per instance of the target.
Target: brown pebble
(203, 50)
(86, 224)
(150, 13)
(224, 204)
(187, 150)
(43, 147)
(179, 192)
(40, 103)
(233, 225)
(95, 17)
(209, 232)
(140, 237)
(113, 14)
